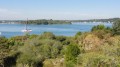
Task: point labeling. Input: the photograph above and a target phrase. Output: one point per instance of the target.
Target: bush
(71, 53)
(101, 27)
(47, 35)
(98, 27)
(78, 33)
(98, 59)
(70, 64)
(101, 31)
(48, 63)
(116, 27)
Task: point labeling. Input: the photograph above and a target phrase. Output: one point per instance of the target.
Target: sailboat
(26, 30)
(0, 33)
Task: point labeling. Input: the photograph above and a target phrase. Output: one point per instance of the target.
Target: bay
(10, 30)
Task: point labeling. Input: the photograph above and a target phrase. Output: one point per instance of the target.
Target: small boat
(0, 33)
(26, 30)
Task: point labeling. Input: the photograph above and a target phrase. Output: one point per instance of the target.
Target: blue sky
(59, 9)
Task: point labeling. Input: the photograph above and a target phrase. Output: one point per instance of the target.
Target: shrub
(48, 63)
(116, 27)
(47, 35)
(98, 27)
(98, 59)
(78, 33)
(71, 53)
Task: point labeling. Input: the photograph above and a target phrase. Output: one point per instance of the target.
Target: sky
(59, 9)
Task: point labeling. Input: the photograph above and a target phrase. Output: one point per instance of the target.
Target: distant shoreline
(50, 22)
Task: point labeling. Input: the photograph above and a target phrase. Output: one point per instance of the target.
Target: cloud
(7, 11)
(3, 10)
(7, 14)
(10, 14)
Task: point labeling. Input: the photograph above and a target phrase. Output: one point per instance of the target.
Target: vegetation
(97, 20)
(46, 22)
(38, 22)
(116, 27)
(71, 53)
(50, 21)
(98, 48)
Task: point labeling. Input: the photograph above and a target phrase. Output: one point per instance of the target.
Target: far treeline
(38, 22)
(99, 47)
(97, 20)
(50, 21)
(46, 22)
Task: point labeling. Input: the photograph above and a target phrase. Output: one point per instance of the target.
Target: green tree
(47, 35)
(116, 27)
(98, 27)
(71, 53)
(78, 34)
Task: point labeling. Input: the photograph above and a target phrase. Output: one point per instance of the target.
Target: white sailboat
(0, 33)
(26, 30)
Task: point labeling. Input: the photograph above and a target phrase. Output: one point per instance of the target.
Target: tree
(47, 35)
(101, 30)
(78, 34)
(116, 27)
(72, 51)
(98, 27)
(4, 50)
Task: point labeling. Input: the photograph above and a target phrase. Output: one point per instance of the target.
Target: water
(10, 30)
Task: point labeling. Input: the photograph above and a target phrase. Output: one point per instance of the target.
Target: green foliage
(101, 28)
(101, 31)
(93, 59)
(70, 64)
(48, 63)
(101, 61)
(64, 40)
(46, 22)
(61, 38)
(78, 34)
(47, 35)
(47, 50)
(18, 40)
(97, 20)
(71, 53)
(4, 49)
(51, 48)
(37, 49)
(3, 41)
(33, 36)
(116, 27)
(30, 54)
(98, 27)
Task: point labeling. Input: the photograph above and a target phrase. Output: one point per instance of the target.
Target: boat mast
(26, 30)
(26, 24)
(0, 33)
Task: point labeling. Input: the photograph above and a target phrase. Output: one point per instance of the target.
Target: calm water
(10, 30)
